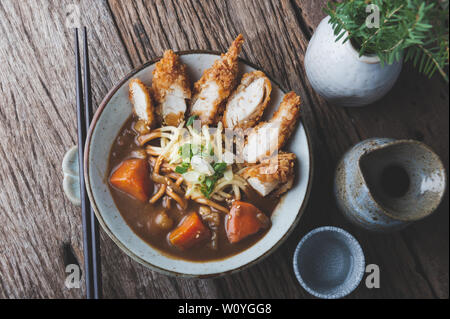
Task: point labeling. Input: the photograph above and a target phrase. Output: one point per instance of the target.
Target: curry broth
(141, 216)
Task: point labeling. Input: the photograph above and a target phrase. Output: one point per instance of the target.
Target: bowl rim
(125, 249)
(359, 260)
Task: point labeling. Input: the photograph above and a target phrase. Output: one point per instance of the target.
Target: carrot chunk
(133, 178)
(244, 220)
(190, 232)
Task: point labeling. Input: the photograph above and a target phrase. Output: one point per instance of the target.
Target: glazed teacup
(385, 184)
(329, 263)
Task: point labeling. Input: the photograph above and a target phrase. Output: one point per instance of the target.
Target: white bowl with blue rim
(329, 263)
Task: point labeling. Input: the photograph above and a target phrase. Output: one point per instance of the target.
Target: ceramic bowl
(108, 120)
(329, 263)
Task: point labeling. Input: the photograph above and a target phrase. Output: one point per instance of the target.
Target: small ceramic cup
(329, 263)
(384, 184)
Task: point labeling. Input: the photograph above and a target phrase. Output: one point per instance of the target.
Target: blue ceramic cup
(329, 263)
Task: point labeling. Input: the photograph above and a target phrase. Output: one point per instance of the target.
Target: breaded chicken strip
(216, 85)
(142, 102)
(274, 173)
(268, 137)
(171, 89)
(247, 103)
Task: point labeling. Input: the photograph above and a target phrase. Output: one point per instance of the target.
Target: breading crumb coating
(287, 114)
(247, 103)
(171, 88)
(141, 99)
(216, 85)
(267, 137)
(279, 168)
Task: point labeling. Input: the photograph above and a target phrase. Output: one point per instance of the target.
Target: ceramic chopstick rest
(71, 182)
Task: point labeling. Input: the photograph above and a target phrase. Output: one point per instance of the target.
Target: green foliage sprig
(414, 29)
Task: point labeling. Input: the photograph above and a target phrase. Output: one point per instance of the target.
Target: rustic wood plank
(310, 13)
(40, 230)
(39, 116)
(416, 108)
(283, 35)
(211, 15)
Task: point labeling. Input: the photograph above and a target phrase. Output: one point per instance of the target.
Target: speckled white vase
(337, 72)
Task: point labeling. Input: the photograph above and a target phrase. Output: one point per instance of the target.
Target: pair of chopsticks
(91, 240)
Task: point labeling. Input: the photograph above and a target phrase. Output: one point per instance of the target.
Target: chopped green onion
(186, 151)
(220, 168)
(208, 185)
(183, 168)
(210, 181)
(191, 120)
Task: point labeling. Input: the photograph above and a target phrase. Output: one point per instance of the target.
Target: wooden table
(40, 230)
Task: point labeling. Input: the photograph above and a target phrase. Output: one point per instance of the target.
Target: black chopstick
(84, 200)
(89, 224)
(95, 237)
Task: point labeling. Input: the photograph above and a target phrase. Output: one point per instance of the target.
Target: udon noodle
(164, 146)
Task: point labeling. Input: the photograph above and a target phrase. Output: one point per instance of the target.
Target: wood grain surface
(40, 231)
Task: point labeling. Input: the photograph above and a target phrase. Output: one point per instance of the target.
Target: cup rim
(358, 263)
(432, 208)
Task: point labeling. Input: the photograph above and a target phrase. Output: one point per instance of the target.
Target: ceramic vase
(337, 72)
(384, 184)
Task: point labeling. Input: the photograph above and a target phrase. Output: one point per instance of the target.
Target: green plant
(414, 29)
